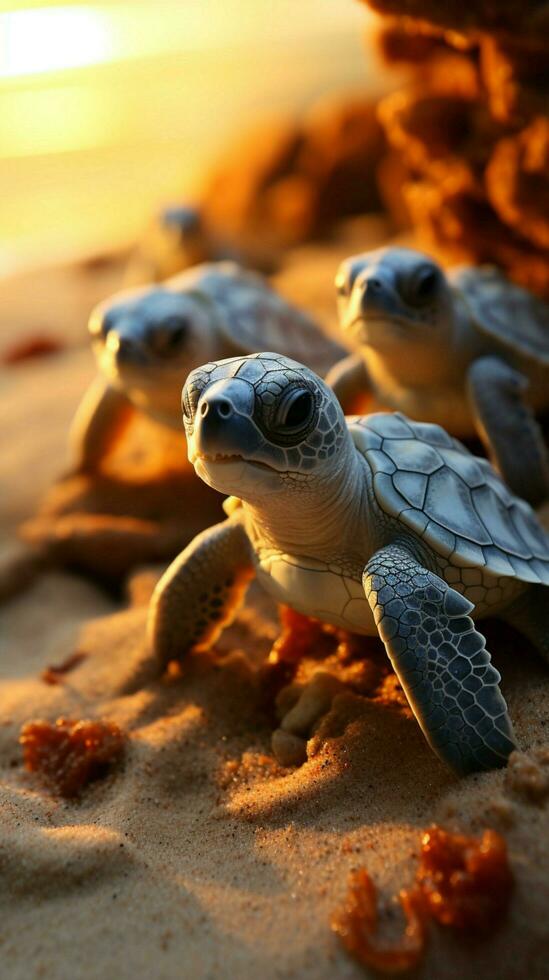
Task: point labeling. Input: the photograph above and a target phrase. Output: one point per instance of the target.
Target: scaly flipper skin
(349, 380)
(199, 594)
(441, 661)
(101, 418)
(505, 421)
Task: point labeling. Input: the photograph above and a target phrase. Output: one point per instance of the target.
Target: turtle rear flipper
(441, 661)
(508, 427)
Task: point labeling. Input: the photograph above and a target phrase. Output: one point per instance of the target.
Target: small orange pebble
(357, 927)
(466, 881)
(70, 754)
(39, 345)
(55, 672)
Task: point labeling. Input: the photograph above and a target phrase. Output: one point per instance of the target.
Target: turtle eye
(295, 410)
(189, 401)
(170, 336)
(423, 286)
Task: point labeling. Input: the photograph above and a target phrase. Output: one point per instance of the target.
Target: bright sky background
(40, 37)
(108, 109)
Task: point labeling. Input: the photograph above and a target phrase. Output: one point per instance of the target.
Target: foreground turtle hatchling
(376, 524)
(147, 340)
(469, 351)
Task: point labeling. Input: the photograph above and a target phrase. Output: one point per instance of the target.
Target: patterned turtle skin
(147, 340)
(377, 524)
(468, 350)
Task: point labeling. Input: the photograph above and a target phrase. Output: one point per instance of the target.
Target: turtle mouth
(380, 317)
(224, 459)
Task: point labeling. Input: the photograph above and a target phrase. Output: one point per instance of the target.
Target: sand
(200, 856)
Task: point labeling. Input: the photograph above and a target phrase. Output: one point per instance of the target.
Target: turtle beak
(223, 425)
(377, 296)
(125, 346)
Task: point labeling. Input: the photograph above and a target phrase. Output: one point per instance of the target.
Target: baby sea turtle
(376, 524)
(469, 350)
(177, 238)
(147, 340)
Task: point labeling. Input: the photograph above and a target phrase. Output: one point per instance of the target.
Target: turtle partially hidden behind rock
(180, 237)
(146, 342)
(376, 524)
(469, 351)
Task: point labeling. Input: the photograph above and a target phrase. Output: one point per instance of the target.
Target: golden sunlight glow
(110, 108)
(50, 39)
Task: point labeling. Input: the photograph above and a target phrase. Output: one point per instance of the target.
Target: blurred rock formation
(470, 131)
(280, 184)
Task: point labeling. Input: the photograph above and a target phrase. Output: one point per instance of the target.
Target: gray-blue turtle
(468, 350)
(376, 524)
(146, 341)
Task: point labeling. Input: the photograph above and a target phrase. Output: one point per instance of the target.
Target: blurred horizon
(109, 110)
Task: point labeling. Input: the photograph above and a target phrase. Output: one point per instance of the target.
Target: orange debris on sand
(70, 754)
(55, 672)
(466, 881)
(298, 637)
(39, 345)
(462, 882)
(357, 927)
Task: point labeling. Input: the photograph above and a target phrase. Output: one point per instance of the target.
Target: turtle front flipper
(100, 420)
(200, 592)
(441, 661)
(349, 380)
(508, 427)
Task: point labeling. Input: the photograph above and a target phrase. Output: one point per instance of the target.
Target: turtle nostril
(220, 407)
(224, 408)
(374, 285)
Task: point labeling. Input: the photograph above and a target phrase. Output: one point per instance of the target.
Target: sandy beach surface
(199, 855)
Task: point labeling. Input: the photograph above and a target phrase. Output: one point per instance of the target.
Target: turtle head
(262, 425)
(146, 341)
(183, 221)
(394, 301)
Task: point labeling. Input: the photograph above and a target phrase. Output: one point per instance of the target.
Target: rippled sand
(200, 856)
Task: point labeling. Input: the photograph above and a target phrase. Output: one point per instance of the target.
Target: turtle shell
(253, 317)
(452, 500)
(505, 312)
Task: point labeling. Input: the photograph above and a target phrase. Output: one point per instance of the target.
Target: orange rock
(517, 182)
(515, 77)
(284, 182)
(465, 21)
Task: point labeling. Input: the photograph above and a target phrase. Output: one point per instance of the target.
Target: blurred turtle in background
(469, 351)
